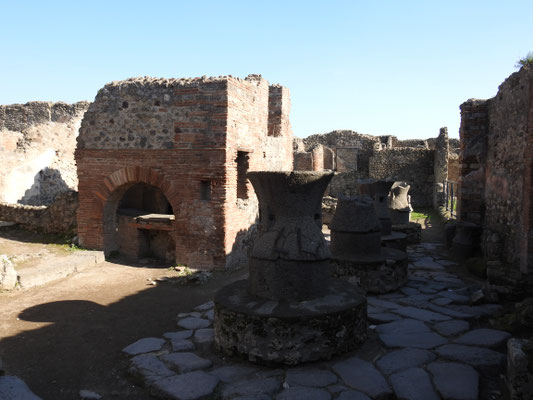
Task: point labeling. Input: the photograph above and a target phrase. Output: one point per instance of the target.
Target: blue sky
(376, 67)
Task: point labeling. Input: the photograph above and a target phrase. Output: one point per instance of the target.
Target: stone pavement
(426, 341)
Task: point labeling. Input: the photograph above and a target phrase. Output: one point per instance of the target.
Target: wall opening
(205, 190)
(139, 224)
(242, 161)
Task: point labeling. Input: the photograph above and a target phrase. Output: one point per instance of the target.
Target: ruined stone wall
(37, 143)
(440, 167)
(59, 217)
(411, 165)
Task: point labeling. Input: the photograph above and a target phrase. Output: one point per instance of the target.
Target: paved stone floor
(426, 341)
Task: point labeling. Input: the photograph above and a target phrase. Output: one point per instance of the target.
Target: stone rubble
(425, 351)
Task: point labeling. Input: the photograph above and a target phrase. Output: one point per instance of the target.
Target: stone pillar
(440, 167)
(289, 311)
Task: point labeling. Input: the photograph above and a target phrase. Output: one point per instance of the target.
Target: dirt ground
(68, 335)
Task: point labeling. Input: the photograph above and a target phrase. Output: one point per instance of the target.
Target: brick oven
(162, 166)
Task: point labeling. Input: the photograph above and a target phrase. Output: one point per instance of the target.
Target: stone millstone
(290, 333)
(382, 273)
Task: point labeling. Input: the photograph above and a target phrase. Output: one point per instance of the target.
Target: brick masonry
(185, 137)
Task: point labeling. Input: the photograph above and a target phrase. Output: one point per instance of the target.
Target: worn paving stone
(185, 362)
(210, 315)
(452, 327)
(421, 340)
(204, 335)
(455, 381)
(442, 301)
(454, 297)
(13, 388)
(362, 376)
(385, 304)
(252, 387)
(373, 310)
(419, 300)
(254, 397)
(204, 307)
(483, 310)
(449, 312)
(185, 334)
(485, 360)
(182, 345)
(352, 395)
(194, 323)
(484, 337)
(427, 290)
(429, 264)
(300, 393)
(409, 291)
(312, 377)
(193, 314)
(380, 318)
(420, 314)
(189, 386)
(413, 384)
(148, 368)
(145, 345)
(232, 373)
(445, 263)
(403, 359)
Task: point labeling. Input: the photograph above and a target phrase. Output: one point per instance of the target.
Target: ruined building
(496, 183)
(162, 166)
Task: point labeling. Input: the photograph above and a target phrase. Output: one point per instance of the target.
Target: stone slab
(232, 373)
(13, 388)
(403, 359)
(311, 377)
(185, 362)
(145, 345)
(380, 318)
(485, 360)
(420, 314)
(189, 386)
(353, 395)
(455, 381)
(300, 393)
(250, 387)
(185, 334)
(452, 327)
(484, 337)
(194, 323)
(148, 368)
(362, 376)
(413, 384)
(182, 345)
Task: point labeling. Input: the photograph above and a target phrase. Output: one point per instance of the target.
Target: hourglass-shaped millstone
(399, 203)
(379, 191)
(355, 228)
(290, 257)
(289, 311)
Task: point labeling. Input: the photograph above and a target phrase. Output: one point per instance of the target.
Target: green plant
(526, 61)
(418, 215)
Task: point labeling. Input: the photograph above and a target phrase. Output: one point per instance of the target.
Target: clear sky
(376, 67)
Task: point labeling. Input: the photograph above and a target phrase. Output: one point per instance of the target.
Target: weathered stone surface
(8, 274)
(148, 368)
(455, 381)
(12, 388)
(182, 345)
(311, 377)
(380, 318)
(145, 345)
(204, 307)
(409, 333)
(449, 312)
(441, 301)
(420, 314)
(193, 323)
(185, 334)
(484, 337)
(189, 386)
(452, 327)
(375, 302)
(481, 358)
(519, 378)
(403, 359)
(362, 376)
(204, 335)
(352, 395)
(428, 263)
(185, 362)
(251, 387)
(298, 393)
(413, 384)
(232, 373)
(89, 395)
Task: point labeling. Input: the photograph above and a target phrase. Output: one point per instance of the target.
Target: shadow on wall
(47, 184)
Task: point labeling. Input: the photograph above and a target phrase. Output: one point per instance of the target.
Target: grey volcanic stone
(455, 297)
(451, 328)
(232, 373)
(409, 333)
(190, 386)
(374, 302)
(418, 313)
(483, 359)
(442, 301)
(449, 312)
(429, 264)
(185, 362)
(413, 384)
(204, 307)
(145, 345)
(182, 345)
(484, 337)
(186, 334)
(353, 395)
(362, 376)
(455, 381)
(12, 388)
(254, 397)
(300, 393)
(148, 368)
(380, 318)
(402, 359)
(193, 323)
(312, 377)
(251, 387)
(204, 335)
